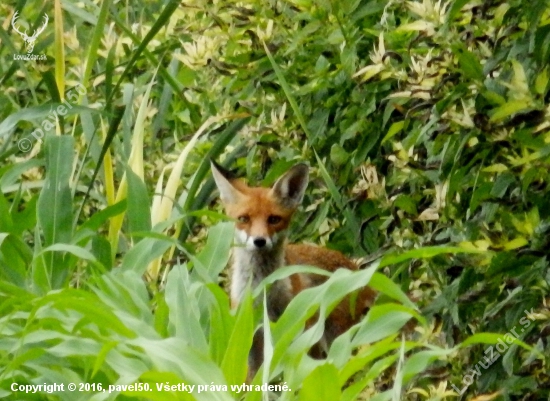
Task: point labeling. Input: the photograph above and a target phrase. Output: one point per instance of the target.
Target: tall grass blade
(398, 382)
(139, 214)
(103, 158)
(135, 163)
(59, 50)
(55, 203)
(234, 364)
(96, 40)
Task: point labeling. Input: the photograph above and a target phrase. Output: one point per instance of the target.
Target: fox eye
(243, 219)
(274, 219)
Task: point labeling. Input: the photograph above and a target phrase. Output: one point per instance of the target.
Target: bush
(426, 128)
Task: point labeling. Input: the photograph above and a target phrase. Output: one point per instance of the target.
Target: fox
(262, 218)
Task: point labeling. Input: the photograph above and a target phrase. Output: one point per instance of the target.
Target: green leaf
(502, 183)
(55, 201)
(215, 255)
(139, 211)
(25, 220)
(15, 258)
(89, 306)
(321, 384)
(55, 204)
(338, 155)
(397, 389)
(6, 224)
(99, 218)
(541, 83)
(14, 172)
(268, 348)
(422, 253)
(455, 9)
(333, 189)
(496, 338)
(100, 360)
(101, 249)
(382, 321)
(509, 108)
(184, 312)
(222, 323)
(183, 360)
(144, 252)
(394, 130)
(493, 98)
(59, 48)
(161, 315)
(75, 346)
(386, 286)
(39, 113)
(406, 203)
(420, 361)
(374, 371)
(365, 356)
(235, 361)
(72, 249)
(469, 63)
(95, 41)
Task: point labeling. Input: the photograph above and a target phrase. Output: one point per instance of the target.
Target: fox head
(261, 215)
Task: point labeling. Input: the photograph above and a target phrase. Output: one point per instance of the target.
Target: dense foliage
(427, 128)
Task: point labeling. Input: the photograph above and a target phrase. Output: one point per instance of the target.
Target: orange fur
(342, 317)
(258, 204)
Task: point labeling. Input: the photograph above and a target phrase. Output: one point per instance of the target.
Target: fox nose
(259, 242)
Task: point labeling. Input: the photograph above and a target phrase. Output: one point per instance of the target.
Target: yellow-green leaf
(495, 168)
(321, 384)
(542, 82)
(515, 243)
(509, 108)
(394, 129)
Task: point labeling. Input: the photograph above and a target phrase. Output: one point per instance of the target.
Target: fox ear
(222, 177)
(290, 188)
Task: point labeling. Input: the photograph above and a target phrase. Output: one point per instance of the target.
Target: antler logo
(29, 40)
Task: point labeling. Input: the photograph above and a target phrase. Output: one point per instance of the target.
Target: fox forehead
(256, 202)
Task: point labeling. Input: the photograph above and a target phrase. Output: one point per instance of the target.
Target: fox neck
(254, 266)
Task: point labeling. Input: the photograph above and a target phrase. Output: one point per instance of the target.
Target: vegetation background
(427, 129)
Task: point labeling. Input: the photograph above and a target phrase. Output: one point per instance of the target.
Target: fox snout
(259, 242)
(254, 242)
